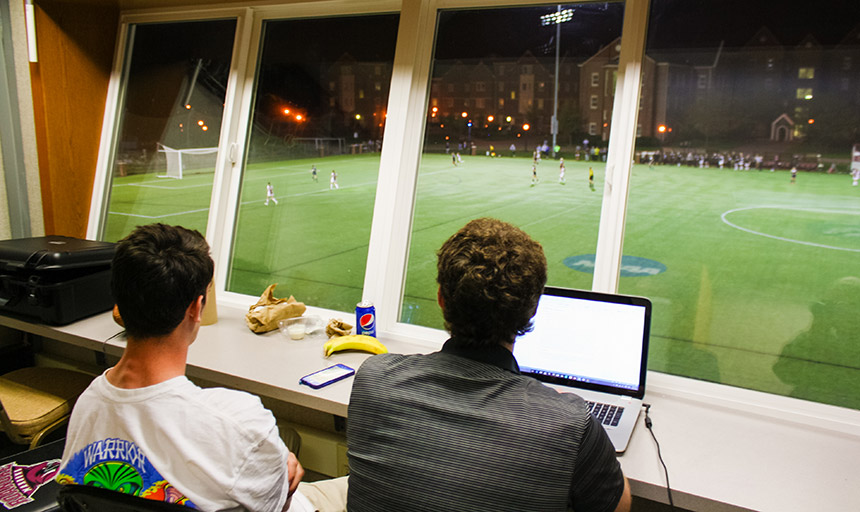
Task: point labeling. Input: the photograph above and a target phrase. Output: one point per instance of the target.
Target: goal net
(180, 161)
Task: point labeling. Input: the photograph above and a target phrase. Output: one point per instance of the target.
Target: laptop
(595, 345)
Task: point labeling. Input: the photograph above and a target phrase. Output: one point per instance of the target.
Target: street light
(556, 18)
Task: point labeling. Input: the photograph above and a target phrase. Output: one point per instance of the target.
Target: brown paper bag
(268, 311)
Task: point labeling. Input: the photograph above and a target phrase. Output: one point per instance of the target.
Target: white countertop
(725, 448)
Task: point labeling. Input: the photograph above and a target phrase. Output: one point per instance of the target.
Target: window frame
(399, 161)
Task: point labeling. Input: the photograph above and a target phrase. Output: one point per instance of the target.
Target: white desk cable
(648, 424)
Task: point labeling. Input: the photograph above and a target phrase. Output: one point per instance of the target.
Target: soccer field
(750, 275)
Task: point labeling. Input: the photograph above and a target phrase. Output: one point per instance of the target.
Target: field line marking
(802, 242)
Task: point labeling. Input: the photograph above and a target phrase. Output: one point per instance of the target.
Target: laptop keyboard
(607, 414)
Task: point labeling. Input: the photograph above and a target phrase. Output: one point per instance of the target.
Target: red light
(526, 127)
(661, 128)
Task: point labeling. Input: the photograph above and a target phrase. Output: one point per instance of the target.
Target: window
(170, 124)
(592, 128)
(479, 103)
(484, 190)
(592, 102)
(703, 81)
(595, 79)
(752, 293)
(293, 130)
(480, 86)
(501, 102)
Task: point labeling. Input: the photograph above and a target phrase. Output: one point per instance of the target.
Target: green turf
(756, 293)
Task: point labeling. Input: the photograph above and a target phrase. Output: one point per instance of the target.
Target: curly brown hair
(490, 276)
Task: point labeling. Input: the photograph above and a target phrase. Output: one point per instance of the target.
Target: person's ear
(439, 298)
(195, 309)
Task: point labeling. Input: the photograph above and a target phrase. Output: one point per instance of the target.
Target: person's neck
(146, 362)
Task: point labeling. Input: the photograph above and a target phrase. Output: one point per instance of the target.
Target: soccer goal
(179, 161)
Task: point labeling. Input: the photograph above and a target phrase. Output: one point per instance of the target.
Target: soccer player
(534, 174)
(561, 171)
(855, 176)
(333, 181)
(270, 193)
(591, 179)
(793, 174)
(454, 159)
(314, 172)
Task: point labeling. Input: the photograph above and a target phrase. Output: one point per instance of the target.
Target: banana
(354, 342)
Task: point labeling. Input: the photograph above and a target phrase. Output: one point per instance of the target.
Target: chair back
(86, 498)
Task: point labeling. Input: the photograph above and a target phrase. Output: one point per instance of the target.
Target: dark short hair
(490, 276)
(158, 271)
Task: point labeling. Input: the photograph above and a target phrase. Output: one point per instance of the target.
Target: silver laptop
(595, 345)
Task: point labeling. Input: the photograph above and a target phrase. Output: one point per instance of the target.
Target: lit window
(804, 93)
(806, 73)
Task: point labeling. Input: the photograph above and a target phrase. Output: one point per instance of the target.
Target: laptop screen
(588, 340)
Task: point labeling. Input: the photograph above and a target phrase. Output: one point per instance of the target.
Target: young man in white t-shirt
(143, 428)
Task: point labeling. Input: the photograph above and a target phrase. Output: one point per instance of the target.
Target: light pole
(556, 18)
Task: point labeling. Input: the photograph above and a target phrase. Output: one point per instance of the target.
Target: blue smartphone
(326, 376)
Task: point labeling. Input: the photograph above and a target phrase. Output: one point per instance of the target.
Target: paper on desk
(268, 311)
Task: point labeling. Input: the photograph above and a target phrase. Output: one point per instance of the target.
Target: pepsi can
(365, 318)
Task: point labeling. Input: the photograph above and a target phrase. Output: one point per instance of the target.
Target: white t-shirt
(214, 449)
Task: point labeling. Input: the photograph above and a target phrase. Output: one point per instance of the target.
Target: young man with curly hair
(461, 429)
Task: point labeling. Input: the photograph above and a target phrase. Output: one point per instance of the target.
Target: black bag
(57, 279)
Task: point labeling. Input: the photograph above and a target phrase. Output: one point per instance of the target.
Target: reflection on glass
(170, 124)
(490, 149)
(309, 180)
(743, 226)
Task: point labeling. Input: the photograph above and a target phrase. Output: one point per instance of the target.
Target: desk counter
(725, 448)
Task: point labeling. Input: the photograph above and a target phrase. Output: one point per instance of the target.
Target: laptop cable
(648, 424)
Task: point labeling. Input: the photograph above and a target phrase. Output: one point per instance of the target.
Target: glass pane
(743, 225)
(170, 123)
(496, 73)
(309, 180)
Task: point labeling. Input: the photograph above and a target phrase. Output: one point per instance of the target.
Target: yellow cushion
(37, 397)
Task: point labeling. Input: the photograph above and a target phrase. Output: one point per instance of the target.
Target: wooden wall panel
(76, 45)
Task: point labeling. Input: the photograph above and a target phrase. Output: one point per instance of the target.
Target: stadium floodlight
(556, 18)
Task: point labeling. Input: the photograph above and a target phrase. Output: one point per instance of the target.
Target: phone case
(309, 380)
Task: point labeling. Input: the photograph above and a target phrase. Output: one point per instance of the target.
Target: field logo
(631, 266)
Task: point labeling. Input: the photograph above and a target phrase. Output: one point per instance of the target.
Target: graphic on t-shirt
(19, 482)
(120, 465)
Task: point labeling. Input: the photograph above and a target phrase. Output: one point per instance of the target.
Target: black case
(56, 279)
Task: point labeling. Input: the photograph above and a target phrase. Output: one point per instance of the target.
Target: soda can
(365, 318)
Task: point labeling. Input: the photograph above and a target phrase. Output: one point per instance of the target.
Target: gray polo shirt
(461, 429)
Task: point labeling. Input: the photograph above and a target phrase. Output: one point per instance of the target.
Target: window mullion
(622, 141)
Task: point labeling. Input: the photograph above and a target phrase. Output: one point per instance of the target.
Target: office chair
(35, 401)
(85, 498)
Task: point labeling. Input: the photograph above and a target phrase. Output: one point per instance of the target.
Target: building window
(593, 102)
(540, 104)
(501, 102)
(595, 79)
(480, 86)
(804, 93)
(527, 69)
(806, 73)
(501, 87)
(377, 86)
(479, 103)
(513, 95)
(592, 128)
(332, 85)
(702, 82)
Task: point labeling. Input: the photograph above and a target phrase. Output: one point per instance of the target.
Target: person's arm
(295, 471)
(626, 500)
